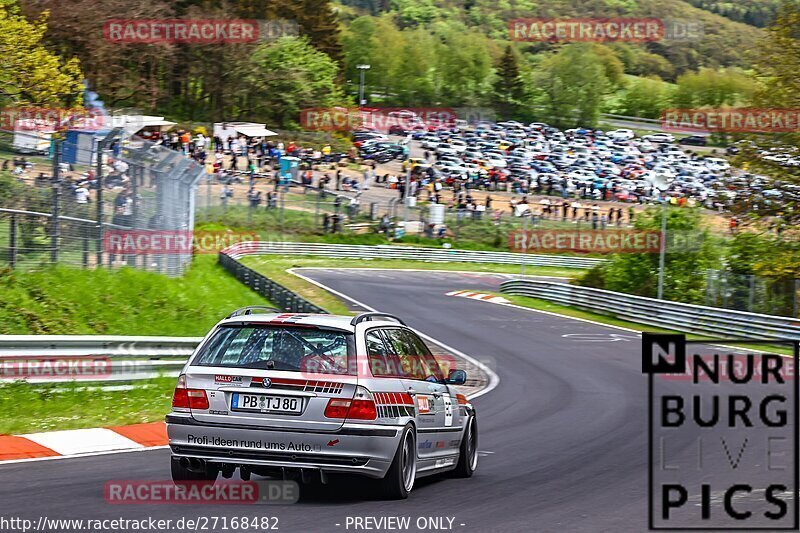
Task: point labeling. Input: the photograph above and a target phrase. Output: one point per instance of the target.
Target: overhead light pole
(663, 251)
(362, 69)
(662, 183)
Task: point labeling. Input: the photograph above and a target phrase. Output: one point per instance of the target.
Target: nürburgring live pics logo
(722, 434)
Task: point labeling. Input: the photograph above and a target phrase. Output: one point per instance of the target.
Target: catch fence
(60, 200)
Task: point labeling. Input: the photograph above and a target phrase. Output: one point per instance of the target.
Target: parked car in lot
(621, 134)
(717, 164)
(415, 162)
(430, 141)
(303, 396)
(445, 148)
(396, 129)
(660, 138)
(694, 140)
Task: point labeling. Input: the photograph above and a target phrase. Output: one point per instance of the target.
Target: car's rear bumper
(354, 448)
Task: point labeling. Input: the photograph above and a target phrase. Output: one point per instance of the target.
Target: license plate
(262, 403)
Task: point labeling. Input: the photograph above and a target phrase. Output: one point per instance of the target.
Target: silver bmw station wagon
(301, 396)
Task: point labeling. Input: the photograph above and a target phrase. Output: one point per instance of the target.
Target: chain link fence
(753, 293)
(60, 202)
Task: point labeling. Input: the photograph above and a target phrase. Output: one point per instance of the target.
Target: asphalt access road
(563, 438)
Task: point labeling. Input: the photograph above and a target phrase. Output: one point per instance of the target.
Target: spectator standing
(81, 195)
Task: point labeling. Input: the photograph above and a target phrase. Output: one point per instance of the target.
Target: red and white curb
(479, 296)
(76, 442)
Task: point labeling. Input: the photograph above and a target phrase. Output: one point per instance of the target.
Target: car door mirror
(456, 377)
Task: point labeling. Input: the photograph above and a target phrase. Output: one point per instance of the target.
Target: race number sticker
(423, 404)
(448, 410)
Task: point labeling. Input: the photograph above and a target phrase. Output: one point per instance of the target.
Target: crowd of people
(577, 172)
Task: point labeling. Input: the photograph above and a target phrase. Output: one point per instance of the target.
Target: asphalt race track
(563, 438)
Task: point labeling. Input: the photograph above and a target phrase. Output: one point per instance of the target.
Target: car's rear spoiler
(370, 316)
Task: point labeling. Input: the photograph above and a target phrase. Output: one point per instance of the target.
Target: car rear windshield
(299, 349)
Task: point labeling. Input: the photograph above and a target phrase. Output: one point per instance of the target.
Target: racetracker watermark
(602, 241)
(136, 492)
(172, 242)
(723, 444)
(733, 120)
(51, 119)
(603, 30)
(54, 368)
(196, 31)
(385, 120)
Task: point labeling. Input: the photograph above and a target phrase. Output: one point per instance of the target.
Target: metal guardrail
(272, 291)
(671, 315)
(111, 345)
(128, 358)
(439, 255)
(632, 119)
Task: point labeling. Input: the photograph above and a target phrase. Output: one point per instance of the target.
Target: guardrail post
(12, 242)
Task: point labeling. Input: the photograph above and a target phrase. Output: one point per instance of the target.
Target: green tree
(318, 20)
(645, 97)
(375, 41)
(573, 82)
(777, 59)
(416, 72)
(412, 13)
(509, 88)
(286, 76)
(29, 73)
(777, 62)
(358, 43)
(638, 273)
(463, 68)
(714, 88)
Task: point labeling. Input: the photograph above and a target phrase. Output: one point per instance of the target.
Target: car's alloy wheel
(399, 479)
(472, 444)
(468, 452)
(409, 461)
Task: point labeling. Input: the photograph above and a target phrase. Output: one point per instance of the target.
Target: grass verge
(68, 301)
(117, 302)
(70, 405)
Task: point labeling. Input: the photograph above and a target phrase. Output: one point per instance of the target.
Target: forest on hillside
(455, 53)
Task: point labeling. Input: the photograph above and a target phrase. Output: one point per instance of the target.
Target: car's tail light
(362, 407)
(188, 398)
(351, 409)
(362, 410)
(337, 408)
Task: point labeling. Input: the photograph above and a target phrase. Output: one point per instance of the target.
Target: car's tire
(399, 480)
(468, 451)
(181, 474)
